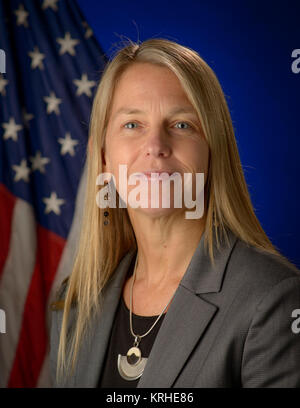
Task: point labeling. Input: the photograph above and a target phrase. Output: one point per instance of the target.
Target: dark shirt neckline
(135, 315)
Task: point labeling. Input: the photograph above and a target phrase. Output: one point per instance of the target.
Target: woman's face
(153, 126)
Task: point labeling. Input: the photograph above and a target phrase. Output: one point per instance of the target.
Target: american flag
(53, 64)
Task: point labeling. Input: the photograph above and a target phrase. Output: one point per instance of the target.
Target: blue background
(249, 45)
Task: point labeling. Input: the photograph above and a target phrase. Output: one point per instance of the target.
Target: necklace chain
(138, 337)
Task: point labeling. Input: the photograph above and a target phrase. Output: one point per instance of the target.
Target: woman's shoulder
(260, 267)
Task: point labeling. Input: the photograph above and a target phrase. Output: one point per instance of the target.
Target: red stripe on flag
(7, 205)
(33, 340)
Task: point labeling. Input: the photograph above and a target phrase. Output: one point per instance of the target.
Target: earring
(106, 214)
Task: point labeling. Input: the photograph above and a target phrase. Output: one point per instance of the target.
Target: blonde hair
(228, 203)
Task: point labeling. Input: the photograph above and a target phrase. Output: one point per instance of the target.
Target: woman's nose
(157, 144)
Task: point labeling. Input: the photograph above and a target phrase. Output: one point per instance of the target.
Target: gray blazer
(228, 326)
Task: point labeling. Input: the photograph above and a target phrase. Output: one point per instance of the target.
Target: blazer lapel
(187, 317)
(181, 329)
(92, 353)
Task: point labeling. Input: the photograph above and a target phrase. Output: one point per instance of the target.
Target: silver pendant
(132, 365)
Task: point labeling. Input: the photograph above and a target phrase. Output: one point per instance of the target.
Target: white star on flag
(22, 171)
(22, 16)
(89, 31)
(3, 83)
(67, 44)
(11, 129)
(39, 162)
(52, 103)
(84, 85)
(36, 58)
(26, 117)
(68, 144)
(53, 203)
(50, 3)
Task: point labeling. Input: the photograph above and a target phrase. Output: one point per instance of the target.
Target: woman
(157, 298)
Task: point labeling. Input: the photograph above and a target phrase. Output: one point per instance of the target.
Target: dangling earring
(106, 213)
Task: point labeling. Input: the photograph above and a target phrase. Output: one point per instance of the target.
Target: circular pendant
(132, 365)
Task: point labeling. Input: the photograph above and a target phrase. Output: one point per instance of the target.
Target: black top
(121, 340)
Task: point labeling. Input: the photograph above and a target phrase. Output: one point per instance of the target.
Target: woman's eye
(178, 125)
(182, 125)
(129, 125)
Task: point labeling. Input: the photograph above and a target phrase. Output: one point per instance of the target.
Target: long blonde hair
(228, 205)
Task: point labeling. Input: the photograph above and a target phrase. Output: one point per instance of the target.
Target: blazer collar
(201, 275)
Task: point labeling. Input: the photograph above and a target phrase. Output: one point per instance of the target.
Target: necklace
(132, 365)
